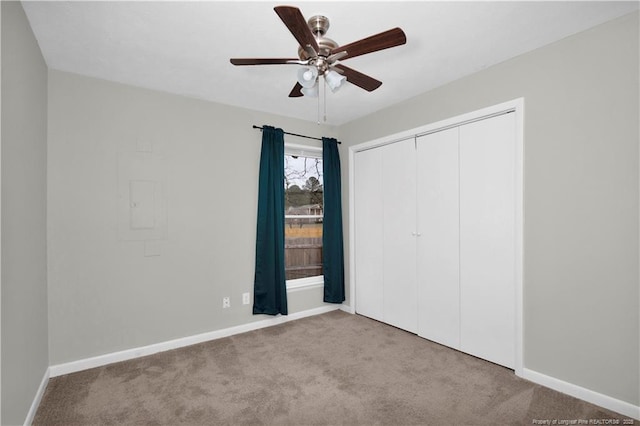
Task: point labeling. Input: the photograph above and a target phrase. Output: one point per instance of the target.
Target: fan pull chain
(318, 103)
(324, 91)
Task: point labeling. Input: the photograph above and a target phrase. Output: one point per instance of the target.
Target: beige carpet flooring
(331, 369)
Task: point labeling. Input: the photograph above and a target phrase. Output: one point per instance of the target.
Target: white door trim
(517, 107)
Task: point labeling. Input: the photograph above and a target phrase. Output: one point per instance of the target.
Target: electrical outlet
(246, 298)
(226, 302)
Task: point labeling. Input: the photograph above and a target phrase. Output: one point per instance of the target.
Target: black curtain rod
(294, 134)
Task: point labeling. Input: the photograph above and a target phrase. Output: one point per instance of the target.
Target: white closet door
(368, 204)
(399, 223)
(438, 244)
(487, 239)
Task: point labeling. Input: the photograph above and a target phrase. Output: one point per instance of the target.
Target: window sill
(305, 283)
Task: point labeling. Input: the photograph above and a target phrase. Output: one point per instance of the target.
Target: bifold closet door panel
(368, 233)
(487, 239)
(399, 230)
(438, 243)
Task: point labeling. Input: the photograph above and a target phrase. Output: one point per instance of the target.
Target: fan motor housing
(319, 25)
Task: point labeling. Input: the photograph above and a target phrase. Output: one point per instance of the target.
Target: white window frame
(312, 152)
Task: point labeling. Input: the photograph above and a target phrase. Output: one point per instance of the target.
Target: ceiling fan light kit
(311, 92)
(320, 55)
(334, 80)
(307, 77)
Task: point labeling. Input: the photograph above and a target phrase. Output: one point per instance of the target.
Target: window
(303, 215)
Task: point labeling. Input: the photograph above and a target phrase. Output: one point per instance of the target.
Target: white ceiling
(184, 47)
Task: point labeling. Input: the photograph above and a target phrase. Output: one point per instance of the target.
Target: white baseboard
(588, 395)
(100, 360)
(348, 309)
(36, 401)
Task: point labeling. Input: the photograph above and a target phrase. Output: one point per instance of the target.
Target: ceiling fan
(320, 55)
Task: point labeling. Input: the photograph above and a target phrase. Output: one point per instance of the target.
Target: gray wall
(0, 216)
(105, 295)
(580, 197)
(24, 165)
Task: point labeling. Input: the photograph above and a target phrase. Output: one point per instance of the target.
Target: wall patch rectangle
(142, 204)
(142, 198)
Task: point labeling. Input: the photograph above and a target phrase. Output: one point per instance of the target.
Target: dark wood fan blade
(293, 19)
(263, 61)
(384, 40)
(296, 91)
(361, 80)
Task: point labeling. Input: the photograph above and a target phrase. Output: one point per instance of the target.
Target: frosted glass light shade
(307, 76)
(334, 80)
(312, 91)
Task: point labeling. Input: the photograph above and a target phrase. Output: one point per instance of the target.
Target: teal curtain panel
(332, 241)
(270, 290)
